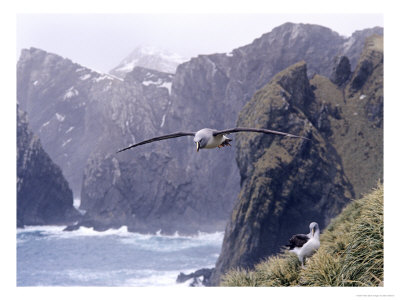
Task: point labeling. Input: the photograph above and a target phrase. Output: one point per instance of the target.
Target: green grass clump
(240, 277)
(279, 270)
(322, 270)
(351, 253)
(363, 262)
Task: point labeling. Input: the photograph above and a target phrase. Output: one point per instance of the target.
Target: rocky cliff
(288, 183)
(60, 99)
(43, 194)
(164, 185)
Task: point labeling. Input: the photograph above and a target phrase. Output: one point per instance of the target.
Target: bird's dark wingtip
(296, 136)
(120, 150)
(289, 247)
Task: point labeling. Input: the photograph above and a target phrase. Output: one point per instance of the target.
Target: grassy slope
(351, 253)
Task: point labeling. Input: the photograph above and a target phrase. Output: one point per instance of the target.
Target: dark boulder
(196, 276)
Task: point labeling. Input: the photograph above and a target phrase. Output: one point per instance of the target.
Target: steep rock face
(58, 96)
(43, 194)
(354, 113)
(286, 184)
(122, 189)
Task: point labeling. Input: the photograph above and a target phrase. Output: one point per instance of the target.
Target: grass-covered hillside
(351, 253)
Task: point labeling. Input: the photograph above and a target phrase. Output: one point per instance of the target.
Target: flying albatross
(304, 245)
(210, 138)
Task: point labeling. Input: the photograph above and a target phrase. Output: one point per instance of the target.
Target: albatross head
(314, 228)
(201, 138)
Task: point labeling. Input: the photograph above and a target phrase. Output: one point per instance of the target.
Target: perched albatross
(304, 245)
(210, 138)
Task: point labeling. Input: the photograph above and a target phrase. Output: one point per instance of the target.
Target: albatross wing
(159, 138)
(298, 240)
(261, 130)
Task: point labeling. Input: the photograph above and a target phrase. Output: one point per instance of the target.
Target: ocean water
(48, 256)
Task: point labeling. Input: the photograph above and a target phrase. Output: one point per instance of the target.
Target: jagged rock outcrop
(43, 194)
(341, 70)
(200, 277)
(288, 183)
(355, 43)
(165, 185)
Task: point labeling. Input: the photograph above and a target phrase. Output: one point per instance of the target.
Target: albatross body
(207, 138)
(305, 245)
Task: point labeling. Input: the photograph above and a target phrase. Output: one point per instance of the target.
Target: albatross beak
(313, 230)
(197, 146)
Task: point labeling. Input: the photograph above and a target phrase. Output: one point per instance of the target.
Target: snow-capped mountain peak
(148, 57)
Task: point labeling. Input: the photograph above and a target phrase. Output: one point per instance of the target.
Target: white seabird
(210, 138)
(305, 245)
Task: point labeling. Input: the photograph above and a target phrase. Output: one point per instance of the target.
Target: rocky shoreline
(201, 277)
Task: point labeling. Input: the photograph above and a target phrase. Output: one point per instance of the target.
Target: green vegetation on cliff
(286, 183)
(351, 253)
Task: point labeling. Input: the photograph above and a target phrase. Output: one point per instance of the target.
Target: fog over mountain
(101, 41)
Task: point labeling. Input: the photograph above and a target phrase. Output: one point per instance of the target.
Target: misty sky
(101, 41)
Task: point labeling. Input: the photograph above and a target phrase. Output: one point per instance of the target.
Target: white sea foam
(153, 278)
(50, 229)
(128, 277)
(128, 237)
(89, 231)
(176, 242)
(58, 231)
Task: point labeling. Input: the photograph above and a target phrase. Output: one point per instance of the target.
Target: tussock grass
(322, 270)
(240, 277)
(351, 253)
(363, 264)
(279, 270)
